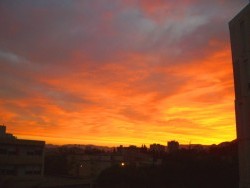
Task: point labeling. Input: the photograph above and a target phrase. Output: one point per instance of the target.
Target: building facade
(240, 45)
(20, 158)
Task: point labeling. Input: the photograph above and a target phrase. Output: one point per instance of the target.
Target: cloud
(117, 71)
(12, 58)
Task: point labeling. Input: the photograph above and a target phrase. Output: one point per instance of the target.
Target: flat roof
(14, 141)
(244, 11)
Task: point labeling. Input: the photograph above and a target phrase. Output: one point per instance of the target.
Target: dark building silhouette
(20, 158)
(157, 148)
(240, 44)
(173, 146)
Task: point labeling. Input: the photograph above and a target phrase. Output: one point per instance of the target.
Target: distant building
(240, 44)
(136, 156)
(197, 147)
(90, 166)
(173, 146)
(20, 158)
(157, 148)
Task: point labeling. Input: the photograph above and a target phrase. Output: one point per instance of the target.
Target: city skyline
(117, 72)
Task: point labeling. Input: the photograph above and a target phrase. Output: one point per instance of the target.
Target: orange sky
(117, 71)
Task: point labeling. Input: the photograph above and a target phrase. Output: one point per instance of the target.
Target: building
(173, 146)
(196, 147)
(240, 45)
(22, 164)
(158, 148)
(90, 166)
(20, 158)
(3, 134)
(136, 156)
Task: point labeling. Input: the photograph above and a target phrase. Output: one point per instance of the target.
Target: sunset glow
(114, 72)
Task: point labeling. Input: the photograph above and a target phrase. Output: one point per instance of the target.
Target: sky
(114, 72)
